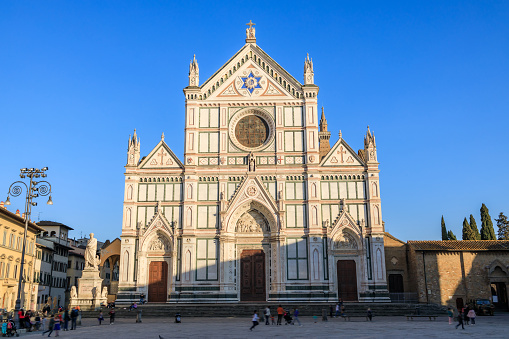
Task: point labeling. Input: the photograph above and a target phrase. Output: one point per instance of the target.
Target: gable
(341, 154)
(264, 76)
(251, 189)
(161, 157)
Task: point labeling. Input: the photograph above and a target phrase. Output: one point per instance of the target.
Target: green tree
(444, 230)
(474, 228)
(487, 231)
(503, 227)
(451, 236)
(468, 233)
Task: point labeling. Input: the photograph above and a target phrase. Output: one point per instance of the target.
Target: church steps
(246, 309)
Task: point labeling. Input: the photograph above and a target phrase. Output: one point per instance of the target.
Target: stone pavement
(381, 327)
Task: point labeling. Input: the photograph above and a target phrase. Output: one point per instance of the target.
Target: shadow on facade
(455, 273)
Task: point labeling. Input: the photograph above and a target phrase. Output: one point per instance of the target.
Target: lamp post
(33, 190)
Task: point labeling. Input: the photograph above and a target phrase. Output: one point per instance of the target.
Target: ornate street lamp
(33, 190)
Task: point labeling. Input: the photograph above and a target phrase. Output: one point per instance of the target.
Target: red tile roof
(460, 245)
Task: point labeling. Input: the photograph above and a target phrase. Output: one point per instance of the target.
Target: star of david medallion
(251, 82)
(251, 190)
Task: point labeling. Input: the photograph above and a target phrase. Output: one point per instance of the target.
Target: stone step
(246, 309)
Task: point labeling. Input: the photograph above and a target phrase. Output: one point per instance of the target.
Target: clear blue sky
(431, 78)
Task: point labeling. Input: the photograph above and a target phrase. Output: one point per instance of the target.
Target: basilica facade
(261, 207)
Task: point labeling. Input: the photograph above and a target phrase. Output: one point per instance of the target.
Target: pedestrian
(255, 320)
(74, 315)
(21, 317)
(331, 310)
(57, 319)
(267, 315)
(337, 310)
(466, 319)
(66, 320)
(296, 317)
(460, 320)
(112, 316)
(37, 324)
(342, 310)
(51, 325)
(450, 315)
(100, 318)
(272, 319)
(471, 315)
(28, 323)
(280, 312)
(369, 314)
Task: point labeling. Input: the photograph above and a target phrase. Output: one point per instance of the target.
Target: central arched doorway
(158, 281)
(252, 271)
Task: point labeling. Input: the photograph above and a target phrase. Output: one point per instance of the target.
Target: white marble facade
(252, 181)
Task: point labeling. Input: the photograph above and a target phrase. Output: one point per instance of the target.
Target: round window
(251, 131)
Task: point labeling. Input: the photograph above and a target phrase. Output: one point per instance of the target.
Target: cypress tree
(474, 228)
(503, 227)
(487, 231)
(451, 236)
(444, 230)
(468, 233)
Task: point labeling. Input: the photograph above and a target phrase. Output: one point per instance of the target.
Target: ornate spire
(309, 75)
(194, 72)
(323, 136)
(162, 137)
(370, 147)
(323, 122)
(133, 150)
(250, 33)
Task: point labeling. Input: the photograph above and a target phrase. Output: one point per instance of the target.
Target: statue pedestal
(90, 295)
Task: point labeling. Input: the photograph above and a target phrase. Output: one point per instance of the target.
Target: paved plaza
(381, 327)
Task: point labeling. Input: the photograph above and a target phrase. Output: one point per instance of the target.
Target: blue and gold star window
(251, 82)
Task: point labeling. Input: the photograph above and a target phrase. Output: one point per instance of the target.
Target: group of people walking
(289, 318)
(466, 315)
(60, 321)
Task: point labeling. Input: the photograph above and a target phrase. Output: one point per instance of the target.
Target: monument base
(89, 295)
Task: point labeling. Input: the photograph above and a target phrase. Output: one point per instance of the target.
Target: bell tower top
(250, 33)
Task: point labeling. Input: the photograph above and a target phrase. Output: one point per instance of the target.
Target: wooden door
(252, 271)
(347, 280)
(158, 281)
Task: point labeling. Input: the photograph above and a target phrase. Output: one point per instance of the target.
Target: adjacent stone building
(448, 272)
(261, 208)
(110, 267)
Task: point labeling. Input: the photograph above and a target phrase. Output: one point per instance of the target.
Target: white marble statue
(74, 293)
(105, 292)
(91, 259)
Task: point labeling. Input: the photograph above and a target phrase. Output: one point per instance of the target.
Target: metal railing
(406, 297)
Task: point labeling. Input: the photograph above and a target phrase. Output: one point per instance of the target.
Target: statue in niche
(345, 241)
(252, 162)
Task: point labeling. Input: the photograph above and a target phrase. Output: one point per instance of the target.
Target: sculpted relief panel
(345, 241)
(251, 222)
(160, 244)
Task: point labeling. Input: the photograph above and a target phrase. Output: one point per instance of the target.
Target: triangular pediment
(341, 154)
(251, 188)
(344, 219)
(251, 73)
(157, 226)
(161, 157)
